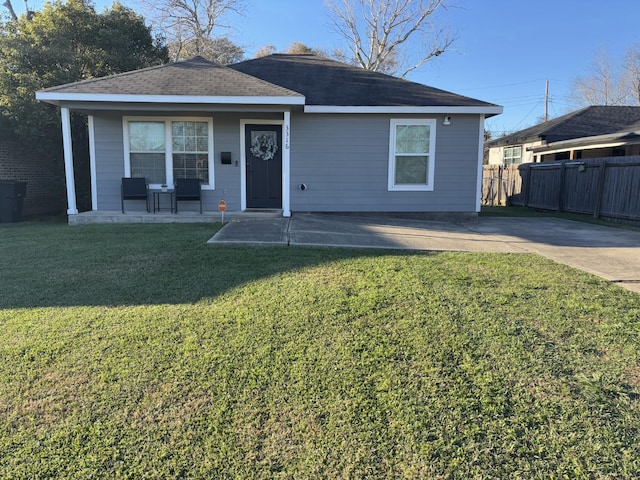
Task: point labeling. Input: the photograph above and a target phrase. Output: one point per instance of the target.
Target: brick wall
(44, 176)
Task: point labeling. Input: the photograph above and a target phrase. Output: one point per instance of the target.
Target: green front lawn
(142, 352)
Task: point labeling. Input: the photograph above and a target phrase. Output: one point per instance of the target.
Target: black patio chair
(134, 189)
(188, 189)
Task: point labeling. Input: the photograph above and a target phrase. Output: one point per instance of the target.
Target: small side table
(157, 203)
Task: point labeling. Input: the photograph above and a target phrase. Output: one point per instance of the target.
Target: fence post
(511, 186)
(601, 175)
(491, 193)
(526, 186)
(500, 170)
(563, 167)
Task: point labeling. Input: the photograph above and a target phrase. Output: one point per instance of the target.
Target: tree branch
(390, 27)
(193, 22)
(12, 12)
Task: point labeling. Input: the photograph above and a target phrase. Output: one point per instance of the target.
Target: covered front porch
(226, 180)
(225, 128)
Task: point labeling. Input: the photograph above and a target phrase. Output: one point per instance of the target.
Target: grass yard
(138, 351)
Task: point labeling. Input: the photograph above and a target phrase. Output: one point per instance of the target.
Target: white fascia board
(587, 143)
(566, 148)
(488, 110)
(238, 100)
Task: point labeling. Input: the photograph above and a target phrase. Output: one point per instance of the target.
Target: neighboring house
(286, 132)
(592, 132)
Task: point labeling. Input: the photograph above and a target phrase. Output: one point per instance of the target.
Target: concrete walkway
(611, 253)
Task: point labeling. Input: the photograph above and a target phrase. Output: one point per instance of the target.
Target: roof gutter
(608, 140)
(57, 97)
(488, 110)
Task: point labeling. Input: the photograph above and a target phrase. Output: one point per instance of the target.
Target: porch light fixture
(447, 120)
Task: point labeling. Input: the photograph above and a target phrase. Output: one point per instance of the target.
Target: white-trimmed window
(147, 151)
(411, 154)
(512, 155)
(165, 149)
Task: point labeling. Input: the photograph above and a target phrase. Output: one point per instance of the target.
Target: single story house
(291, 133)
(592, 132)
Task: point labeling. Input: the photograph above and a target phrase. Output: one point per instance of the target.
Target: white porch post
(286, 164)
(68, 161)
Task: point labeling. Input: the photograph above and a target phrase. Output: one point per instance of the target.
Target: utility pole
(546, 101)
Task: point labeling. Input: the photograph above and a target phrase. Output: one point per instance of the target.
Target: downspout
(92, 165)
(480, 159)
(286, 165)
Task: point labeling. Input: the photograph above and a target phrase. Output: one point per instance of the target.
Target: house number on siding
(286, 137)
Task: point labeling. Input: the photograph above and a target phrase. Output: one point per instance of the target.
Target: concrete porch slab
(116, 217)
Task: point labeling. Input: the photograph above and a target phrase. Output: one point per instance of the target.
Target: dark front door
(263, 147)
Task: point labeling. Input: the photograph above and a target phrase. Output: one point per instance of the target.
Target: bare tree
(265, 51)
(381, 32)
(299, 48)
(191, 24)
(631, 66)
(295, 48)
(220, 50)
(608, 83)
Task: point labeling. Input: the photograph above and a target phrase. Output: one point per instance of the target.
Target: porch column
(286, 164)
(68, 161)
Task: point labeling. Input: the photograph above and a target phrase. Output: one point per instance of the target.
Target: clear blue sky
(505, 51)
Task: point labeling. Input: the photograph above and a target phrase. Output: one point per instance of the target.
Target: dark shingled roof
(195, 77)
(587, 122)
(300, 79)
(327, 82)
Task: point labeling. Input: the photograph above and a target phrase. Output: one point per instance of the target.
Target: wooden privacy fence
(602, 187)
(500, 184)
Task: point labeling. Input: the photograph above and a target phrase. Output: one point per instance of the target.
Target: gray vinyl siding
(344, 160)
(109, 151)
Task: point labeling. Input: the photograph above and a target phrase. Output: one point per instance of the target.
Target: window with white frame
(147, 149)
(512, 155)
(411, 154)
(190, 144)
(165, 149)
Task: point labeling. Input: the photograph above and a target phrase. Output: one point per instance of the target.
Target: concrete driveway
(610, 253)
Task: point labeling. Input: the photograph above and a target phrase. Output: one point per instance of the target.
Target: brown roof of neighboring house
(587, 122)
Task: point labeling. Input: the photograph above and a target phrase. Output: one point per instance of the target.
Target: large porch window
(165, 149)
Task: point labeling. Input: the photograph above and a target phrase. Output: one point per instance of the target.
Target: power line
(525, 117)
(501, 86)
(521, 97)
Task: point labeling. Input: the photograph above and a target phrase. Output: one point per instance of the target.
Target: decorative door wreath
(263, 145)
